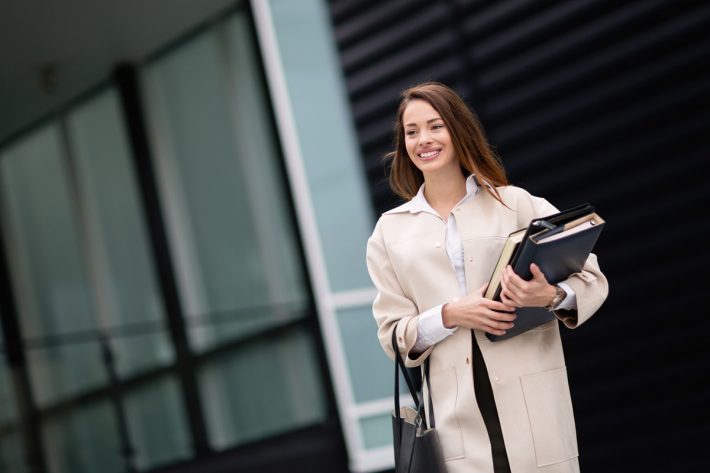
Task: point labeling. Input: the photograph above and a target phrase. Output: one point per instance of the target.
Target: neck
(444, 189)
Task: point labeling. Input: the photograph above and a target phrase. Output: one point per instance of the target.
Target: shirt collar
(420, 204)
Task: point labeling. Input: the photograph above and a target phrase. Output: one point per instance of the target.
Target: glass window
(370, 369)
(12, 453)
(81, 263)
(11, 449)
(157, 426)
(44, 248)
(82, 267)
(124, 282)
(329, 146)
(83, 440)
(222, 187)
(376, 431)
(8, 410)
(262, 388)
(232, 236)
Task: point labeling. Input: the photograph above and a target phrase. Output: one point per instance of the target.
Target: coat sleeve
(392, 308)
(589, 285)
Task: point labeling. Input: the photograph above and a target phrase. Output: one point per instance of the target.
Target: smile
(430, 154)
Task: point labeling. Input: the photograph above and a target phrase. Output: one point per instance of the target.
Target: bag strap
(399, 364)
(428, 383)
(417, 396)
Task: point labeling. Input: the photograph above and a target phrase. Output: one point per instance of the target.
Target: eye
(437, 126)
(410, 132)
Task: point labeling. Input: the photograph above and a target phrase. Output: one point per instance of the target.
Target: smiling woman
(431, 117)
(499, 407)
(427, 140)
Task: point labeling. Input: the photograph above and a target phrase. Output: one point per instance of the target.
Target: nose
(424, 137)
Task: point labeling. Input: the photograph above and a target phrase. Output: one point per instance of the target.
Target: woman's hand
(518, 292)
(476, 312)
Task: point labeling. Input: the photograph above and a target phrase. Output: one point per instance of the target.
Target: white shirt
(430, 327)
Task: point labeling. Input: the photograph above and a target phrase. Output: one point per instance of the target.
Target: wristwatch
(557, 300)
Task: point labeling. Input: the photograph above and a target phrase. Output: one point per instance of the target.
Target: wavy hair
(470, 145)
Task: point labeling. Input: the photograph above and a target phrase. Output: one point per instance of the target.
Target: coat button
(468, 362)
(437, 244)
(498, 380)
(470, 259)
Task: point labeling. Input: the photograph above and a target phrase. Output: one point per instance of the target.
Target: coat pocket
(444, 388)
(549, 407)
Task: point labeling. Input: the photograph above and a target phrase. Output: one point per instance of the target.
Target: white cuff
(569, 302)
(430, 329)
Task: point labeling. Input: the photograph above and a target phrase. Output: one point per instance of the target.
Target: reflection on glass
(8, 408)
(81, 263)
(157, 425)
(12, 453)
(261, 389)
(377, 431)
(231, 233)
(43, 245)
(123, 278)
(370, 369)
(11, 449)
(84, 440)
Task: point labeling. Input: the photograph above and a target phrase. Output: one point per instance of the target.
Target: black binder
(559, 244)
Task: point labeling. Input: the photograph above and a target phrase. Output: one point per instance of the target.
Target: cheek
(409, 146)
(446, 139)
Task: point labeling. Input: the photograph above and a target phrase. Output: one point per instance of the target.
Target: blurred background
(186, 189)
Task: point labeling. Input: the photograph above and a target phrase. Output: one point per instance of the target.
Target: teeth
(429, 154)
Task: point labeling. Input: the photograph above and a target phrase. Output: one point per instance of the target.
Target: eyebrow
(428, 121)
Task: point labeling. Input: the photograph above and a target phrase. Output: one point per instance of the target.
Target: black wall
(598, 101)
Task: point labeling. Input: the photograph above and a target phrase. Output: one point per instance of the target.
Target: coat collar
(418, 203)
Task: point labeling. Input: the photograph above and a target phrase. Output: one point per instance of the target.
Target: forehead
(418, 112)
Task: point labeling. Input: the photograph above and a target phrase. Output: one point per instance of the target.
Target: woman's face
(427, 139)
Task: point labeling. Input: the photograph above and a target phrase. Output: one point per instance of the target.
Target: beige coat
(407, 260)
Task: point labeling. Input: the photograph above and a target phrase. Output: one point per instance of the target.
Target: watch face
(559, 297)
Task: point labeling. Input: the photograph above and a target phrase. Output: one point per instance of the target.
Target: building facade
(182, 244)
(183, 263)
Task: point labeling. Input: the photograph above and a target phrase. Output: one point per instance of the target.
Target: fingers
(494, 331)
(484, 314)
(481, 290)
(500, 316)
(497, 327)
(509, 298)
(498, 306)
(497, 323)
(488, 320)
(537, 272)
(512, 280)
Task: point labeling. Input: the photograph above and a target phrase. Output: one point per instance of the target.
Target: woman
(499, 406)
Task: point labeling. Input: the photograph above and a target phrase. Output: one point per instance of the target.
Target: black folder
(559, 244)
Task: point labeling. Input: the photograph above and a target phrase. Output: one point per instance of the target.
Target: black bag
(416, 444)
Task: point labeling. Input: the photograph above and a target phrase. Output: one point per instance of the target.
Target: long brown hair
(469, 141)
